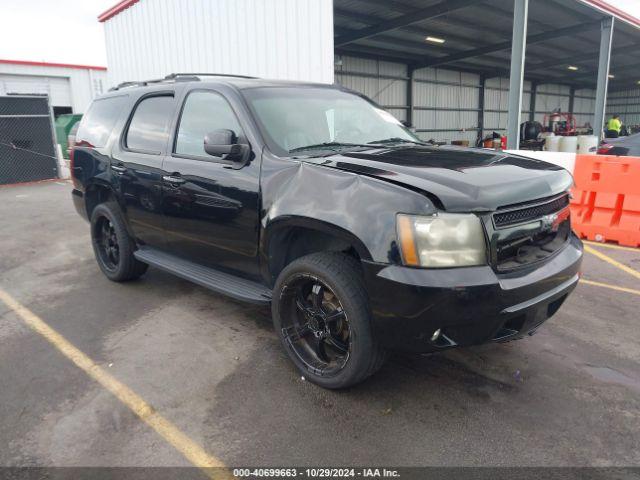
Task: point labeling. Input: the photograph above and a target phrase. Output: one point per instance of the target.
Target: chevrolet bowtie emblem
(549, 222)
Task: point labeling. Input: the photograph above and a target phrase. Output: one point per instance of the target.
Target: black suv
(315, 200)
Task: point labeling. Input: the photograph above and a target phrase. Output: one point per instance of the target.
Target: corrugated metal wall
(496, 99)
(584, 106)
(446, 103)
(73, 87)
(626, 104)
(283, 39)
(384, 82)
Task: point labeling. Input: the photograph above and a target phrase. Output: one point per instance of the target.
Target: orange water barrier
(606, 199)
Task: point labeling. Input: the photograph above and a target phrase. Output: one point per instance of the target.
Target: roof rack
(231, 75)
(143, 83)
(176, 77)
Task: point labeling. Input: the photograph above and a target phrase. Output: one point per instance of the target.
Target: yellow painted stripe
(611, 261)
(612, 246)
(612, 287)
(167, 430)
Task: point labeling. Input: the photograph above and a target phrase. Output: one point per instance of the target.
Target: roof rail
(142, 83)
(175, 76)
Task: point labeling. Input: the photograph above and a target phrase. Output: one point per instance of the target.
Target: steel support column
(606, 36)
(532, 101)
(483, 81)
(410, 102)
(518, 47)
(572, 99)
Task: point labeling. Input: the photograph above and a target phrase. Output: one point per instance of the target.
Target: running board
(221, 282)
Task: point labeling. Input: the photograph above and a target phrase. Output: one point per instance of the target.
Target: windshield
(322, 119)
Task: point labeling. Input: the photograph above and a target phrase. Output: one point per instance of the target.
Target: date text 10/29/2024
(315, 472)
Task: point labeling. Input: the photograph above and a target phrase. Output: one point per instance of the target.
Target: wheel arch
(286, 239)
(96, 193)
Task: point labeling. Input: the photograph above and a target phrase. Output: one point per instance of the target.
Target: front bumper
(470, 306)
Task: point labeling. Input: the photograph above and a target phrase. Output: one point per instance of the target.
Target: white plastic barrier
(562, 159)
(552, 143)
(569, 144)
(63, 166)
(587, 144)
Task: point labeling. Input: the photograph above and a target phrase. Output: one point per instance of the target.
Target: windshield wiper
(327, 145)
(397, 140)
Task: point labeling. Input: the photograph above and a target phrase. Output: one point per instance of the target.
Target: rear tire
(321, 314)
(112, 245)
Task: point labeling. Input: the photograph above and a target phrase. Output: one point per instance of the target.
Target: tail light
(604, 149)
(71, 142)
(72, 167)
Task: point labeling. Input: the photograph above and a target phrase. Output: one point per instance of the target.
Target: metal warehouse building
(454, 69)
(70, 88)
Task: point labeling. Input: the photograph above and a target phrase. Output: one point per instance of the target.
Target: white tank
(569, 144)
(552, 143)
(587, 144)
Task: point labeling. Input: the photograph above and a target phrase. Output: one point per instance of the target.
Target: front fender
(362, 207)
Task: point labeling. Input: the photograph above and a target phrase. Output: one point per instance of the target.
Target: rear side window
(98, 122)
(149, 127)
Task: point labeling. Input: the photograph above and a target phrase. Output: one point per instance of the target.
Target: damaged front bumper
(468, 306)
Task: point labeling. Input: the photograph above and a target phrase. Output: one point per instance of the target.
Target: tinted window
(98, 122)
(149, 127)
(203, 112)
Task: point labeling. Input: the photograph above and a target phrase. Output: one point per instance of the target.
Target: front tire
(112, 245)
(321, 315)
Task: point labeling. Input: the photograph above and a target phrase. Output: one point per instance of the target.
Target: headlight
(441, 241)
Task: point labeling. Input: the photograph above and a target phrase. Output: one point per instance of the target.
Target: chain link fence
(27, 143)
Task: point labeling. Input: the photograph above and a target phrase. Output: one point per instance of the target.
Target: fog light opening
(436, 335)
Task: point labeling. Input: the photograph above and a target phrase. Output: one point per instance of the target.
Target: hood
(462, 179)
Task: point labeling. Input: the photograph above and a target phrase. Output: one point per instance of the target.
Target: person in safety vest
(614, 126)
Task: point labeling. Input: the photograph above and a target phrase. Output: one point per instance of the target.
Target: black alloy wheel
(113, 246)
(315, 325)
(321, 314)
(107, 242)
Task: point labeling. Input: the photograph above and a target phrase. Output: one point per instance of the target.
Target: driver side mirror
(224, 144)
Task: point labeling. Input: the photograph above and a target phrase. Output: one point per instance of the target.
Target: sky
(67, 31)
(62, 31)
(629, 6)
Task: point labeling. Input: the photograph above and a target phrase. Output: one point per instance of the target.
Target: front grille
(527, 214)
(523, 237)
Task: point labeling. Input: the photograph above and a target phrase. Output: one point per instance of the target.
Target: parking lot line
(612, 287)
(167, 430)
(611, 261)
(609, 245)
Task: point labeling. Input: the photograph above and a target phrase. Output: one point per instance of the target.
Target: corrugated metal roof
(486, 24)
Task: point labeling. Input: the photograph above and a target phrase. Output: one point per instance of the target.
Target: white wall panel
(57, 88)
(74, 87)
(280, 39)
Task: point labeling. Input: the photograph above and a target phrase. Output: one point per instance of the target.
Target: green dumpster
(64, 124)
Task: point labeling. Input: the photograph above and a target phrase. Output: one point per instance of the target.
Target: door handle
(173, 180)
(118, 169)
